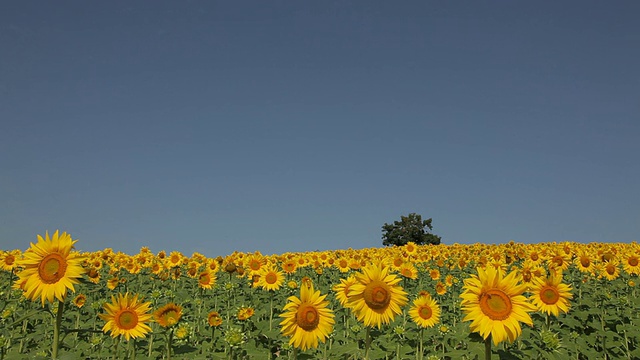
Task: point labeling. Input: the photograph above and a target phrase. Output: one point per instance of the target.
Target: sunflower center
(376, 295)
(271, 278)
(254, 265)
(9, 259)
(127, 319)
(170, 317)
(205, 279)
(307, 317)
(633, 261)
(425, 312)
(495, 304)
(611, 269)
(557, 260)
(585, 262)
(549, 295)
(52, 268)
(526, 275)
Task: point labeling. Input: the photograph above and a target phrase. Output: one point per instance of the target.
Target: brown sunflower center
(169, 317)
(633, 261)
(611, 269)
(271, 278)
(549, 295)
(558, 260)
(52, 268)
(307, 317)
(254, 265)
(9, 259)
(205, 279)
(495, 304)
(425, 312)
(534, 256)
(377, 295)
(126, 319)
(584, 261)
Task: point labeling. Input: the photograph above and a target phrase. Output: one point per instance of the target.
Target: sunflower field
(508, 301)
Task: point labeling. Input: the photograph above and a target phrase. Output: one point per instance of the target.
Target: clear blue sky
(294, 126)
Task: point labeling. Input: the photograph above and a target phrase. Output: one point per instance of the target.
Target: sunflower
(550, 295)
(255, 263)
(271, 278)
(126, 316)
(441, 288)
(631, 263)
(343, 265)
(376, 298)
(434, 274)
(245, 312)
(307, 319)
(93, 275)
(206, 279)
(289, 266)
(175, 259)
(495, 305)
(559, 260)
(8, 259)
(182, 331)
(168, 315)
(342, 289)
(113, 283)
(408, 270)
(610, 270)
(583, 262)
(425, 311)
(410, 248)
(79, 300)
(214, 319)
(49, 268)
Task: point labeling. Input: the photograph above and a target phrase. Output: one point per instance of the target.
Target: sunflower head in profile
(79, 300)
(307, 319)
(550, 295)
(168, 315)
(342, 289)
(126, 315)
(425, 312)
(50, 268)
(495, 305)
(376, 297)
(214, 319)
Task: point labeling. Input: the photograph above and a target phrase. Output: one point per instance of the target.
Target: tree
(409, 228)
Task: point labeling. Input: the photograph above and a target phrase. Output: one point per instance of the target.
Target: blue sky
(297, 126)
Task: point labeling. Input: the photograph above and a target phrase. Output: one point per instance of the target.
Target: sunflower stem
(487, 348)
(116, 342)
(270, 312)
(421, 344)
(213, 332)
(56, 330)
(75, 340)
(169, 338)
(150, 344)
(367, 343)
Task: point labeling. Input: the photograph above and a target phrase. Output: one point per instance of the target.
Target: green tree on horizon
(409, 228)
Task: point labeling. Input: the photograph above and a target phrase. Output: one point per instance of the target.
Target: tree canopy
(409, 228)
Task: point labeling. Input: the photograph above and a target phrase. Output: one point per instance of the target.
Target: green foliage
(410, 228)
